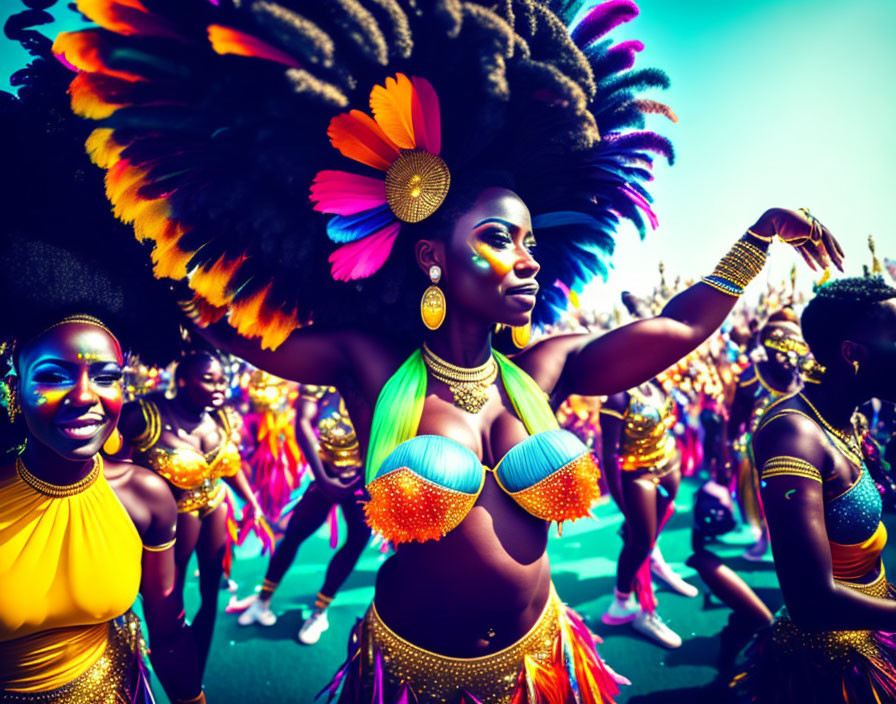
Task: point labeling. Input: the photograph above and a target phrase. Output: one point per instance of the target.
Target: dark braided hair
(840, 310)
(212, 122)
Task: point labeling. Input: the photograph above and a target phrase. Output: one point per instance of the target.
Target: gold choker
(57, 491)
(469, 387)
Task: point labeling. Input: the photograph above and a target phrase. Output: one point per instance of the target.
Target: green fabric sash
(400, 406)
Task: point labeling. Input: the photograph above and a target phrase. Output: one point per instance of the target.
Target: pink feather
(602, 19)
(643, 205)
(343, 193)
(358, 260)
(427, 116)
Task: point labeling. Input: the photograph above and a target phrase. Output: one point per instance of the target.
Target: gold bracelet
(739, 267)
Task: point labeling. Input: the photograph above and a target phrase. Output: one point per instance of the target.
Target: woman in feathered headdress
(490, 128)
(80, 535)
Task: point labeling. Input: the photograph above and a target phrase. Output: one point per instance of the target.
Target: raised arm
(635, 353)
(794, 509)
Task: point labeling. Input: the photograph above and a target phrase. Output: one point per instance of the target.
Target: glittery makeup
(485, 257)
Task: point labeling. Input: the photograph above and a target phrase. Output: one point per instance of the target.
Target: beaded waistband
(202, 499)
(436, 678)
(110, 680)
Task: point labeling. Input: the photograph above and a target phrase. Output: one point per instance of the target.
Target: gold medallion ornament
(432, 305)
(469, 387)
(416, 184)
(521, 335)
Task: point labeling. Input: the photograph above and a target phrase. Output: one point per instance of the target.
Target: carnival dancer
(335, 461)
(643, 469)
(493, 128)
(764, 381)
(80, 537)
(833, 641)
(192, 442)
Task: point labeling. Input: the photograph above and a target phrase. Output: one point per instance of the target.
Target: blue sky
(785, 103)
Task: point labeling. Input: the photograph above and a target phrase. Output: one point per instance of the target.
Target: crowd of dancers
(403, 343)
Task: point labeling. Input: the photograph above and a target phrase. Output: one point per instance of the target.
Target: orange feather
(226, 40)
(127, 17)
(252, 318)
(82, 50)
(393, 111)
(104, 151)
(357, 136)
(214, 283)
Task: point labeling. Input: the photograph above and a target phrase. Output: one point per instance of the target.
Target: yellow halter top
(68, 566)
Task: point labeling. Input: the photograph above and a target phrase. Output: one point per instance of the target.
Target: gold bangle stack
(737, 269)
(469, 387)
(56, 491)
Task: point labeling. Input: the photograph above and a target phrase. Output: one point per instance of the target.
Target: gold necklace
(57, 491)
(851, 443)
(468, 386)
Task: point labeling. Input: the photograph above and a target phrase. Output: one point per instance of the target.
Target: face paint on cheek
(485, 257)
(49, 397)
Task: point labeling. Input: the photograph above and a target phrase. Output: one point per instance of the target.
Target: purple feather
(624, 54)
(641, 141)
(602, 19)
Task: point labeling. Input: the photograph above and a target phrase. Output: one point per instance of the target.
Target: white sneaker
(652, 626)
(621, 612)
(314, 627)
(258, 612)
(662, 571)
(757, 551)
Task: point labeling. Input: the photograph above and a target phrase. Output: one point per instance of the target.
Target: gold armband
(160, 548)
(783, 465)
(737, 268)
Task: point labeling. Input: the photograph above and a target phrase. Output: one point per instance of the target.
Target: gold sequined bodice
(647, 440)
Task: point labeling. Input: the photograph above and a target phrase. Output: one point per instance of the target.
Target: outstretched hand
(804, 231)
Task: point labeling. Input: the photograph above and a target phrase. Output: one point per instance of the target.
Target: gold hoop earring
(432, 305)
(855, 366)
(521, 335)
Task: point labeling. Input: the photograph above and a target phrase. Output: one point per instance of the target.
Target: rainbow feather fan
(211, 122)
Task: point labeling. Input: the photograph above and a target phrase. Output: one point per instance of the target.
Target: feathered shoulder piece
(216, 119)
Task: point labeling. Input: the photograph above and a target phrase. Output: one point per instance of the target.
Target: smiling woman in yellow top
(80, 537)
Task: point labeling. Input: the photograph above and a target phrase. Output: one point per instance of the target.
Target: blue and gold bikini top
(852, 518)
(427, 484)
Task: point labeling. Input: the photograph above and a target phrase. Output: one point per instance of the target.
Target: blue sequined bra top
(427, 485)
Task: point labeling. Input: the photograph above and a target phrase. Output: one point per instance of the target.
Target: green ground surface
(268, 665)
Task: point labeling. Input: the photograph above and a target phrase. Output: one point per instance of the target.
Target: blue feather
(351, 228)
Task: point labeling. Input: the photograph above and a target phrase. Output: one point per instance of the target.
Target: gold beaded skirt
(115, 678)
(555, 660)
(837, 667)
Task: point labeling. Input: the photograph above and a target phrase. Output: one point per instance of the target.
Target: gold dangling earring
(113, 443)
(432, 305)
(12, 402)
(855, 365)
(520, 335)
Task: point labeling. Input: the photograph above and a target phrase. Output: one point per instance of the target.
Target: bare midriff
(477, 590)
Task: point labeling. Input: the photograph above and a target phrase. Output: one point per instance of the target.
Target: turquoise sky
(786, 103)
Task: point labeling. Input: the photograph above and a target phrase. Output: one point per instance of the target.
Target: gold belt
(439, 678)
(202, 499)
(832, 646)
(110, 680)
